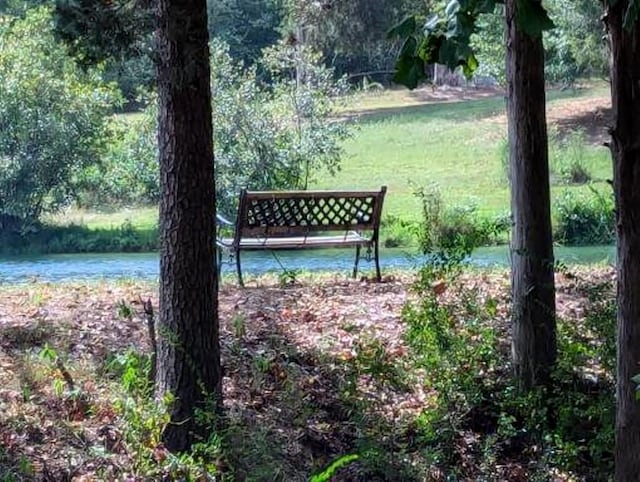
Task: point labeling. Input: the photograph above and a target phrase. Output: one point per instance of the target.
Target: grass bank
(76, 238)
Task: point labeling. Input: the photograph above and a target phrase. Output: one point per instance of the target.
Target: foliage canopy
(52, 117)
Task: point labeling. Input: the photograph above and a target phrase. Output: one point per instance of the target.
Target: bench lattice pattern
(311, 211)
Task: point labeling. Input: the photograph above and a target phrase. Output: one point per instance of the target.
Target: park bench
(273, 220)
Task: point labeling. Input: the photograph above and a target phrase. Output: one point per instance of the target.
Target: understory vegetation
(408, 379)
(414, 384)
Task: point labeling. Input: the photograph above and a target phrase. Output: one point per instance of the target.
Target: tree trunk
(625, 149)
(533, 318)
(188, 344)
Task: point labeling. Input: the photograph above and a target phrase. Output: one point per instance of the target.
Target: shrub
(79, 239)
(265, 137)
(454, 232)
(477, 420)
(567, 158)
(398, 232)
(585, 219)
(127, 173)
(52, 117)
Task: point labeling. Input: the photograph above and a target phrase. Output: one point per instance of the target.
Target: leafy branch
(446, 38)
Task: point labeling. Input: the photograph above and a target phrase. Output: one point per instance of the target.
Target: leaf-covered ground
(313, 370)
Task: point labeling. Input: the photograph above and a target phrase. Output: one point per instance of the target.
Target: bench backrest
(295, 213)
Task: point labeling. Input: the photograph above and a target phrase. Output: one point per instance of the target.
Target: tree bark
(188, 338)
(625, 148)
(533, 317)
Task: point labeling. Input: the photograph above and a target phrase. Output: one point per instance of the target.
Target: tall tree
(624, 41)
(446, 40)
(532, 284)
(188, 338)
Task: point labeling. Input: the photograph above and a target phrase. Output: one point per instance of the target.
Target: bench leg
(355, 265)
(376, 253)
(239, 269)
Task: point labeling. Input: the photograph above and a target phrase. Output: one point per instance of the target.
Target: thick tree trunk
(188, 345)
(625, 148)
(533, 318)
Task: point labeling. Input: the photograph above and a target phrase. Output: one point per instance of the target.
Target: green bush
(127, 174)
(585, 219)
(271, 137)
(567, 156)
(397, 232)
(52, 117)
(455, 232)
(477, 419)
(78, 239)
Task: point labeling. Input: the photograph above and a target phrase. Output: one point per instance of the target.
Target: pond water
(69, 267)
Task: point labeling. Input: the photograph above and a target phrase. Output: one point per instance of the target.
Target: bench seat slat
(351, 239)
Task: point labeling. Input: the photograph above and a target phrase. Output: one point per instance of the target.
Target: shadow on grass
(594, 124)
(458, 110)
(466, 106)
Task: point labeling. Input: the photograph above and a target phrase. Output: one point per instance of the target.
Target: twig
(65, 374)
(148, 313)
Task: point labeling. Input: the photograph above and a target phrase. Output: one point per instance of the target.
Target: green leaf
(449, 54)
(636, 379)
(409, 71)
(403, 29)
(337, 464)
(432, 23)
(462, 25)
(453, 7)
(532, 18)
(429, 48)
(470, 66)
(409, 47)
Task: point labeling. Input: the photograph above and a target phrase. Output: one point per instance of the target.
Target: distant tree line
(350, 35)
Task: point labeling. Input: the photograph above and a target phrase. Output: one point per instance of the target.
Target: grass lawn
(455, 139)
(459, 146)
(140, 217)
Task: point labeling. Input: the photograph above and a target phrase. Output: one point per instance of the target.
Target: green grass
(140, 217)
(400, 142)
(457, 146)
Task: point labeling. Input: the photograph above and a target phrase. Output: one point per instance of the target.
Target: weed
(328, 473)
(239, 324)
(125, 311)
(398, 232)
(567, 158)
(262, 363)
(585, 219)
(570, 423)
(288, 277)
(451, 235)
